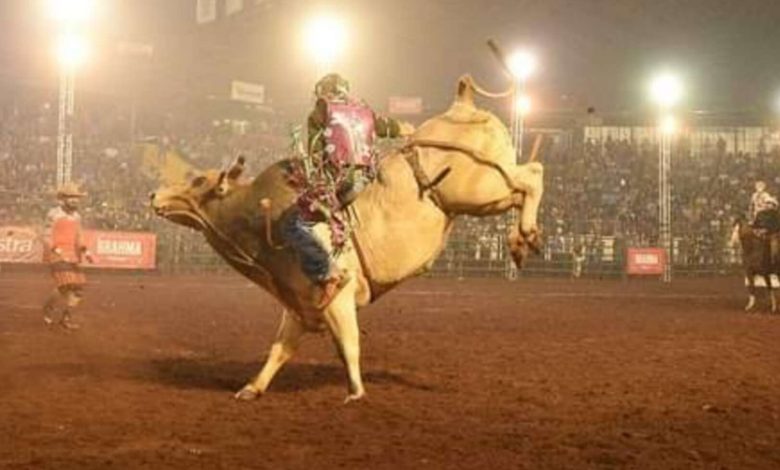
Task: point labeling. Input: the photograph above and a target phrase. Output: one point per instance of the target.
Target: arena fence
(476, 248)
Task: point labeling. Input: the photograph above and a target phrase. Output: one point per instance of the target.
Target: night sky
(592, 52)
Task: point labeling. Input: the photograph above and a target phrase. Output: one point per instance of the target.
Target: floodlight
(325, 38)
(72, 50)
(666, 90)
(522, 64)
(71, 11)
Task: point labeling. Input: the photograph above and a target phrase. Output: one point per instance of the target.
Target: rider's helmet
(332, 86)
(760, 186)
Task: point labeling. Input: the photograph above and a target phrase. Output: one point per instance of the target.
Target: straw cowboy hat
(70, 189)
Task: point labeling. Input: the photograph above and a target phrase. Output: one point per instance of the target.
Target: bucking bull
(459, 162)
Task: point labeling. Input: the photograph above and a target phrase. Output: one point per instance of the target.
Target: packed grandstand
(601, 185)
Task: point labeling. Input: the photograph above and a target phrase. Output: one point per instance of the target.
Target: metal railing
(477, 248)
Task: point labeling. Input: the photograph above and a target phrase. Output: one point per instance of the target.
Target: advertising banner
(405, 105)
(122, 250)
(645, 261)
(247, 92)
(233, 6)
(20, 245)
(206, 11)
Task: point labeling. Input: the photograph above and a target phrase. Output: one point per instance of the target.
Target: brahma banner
(20, 245)
(122, 250)
(645, 261)
(116, 250)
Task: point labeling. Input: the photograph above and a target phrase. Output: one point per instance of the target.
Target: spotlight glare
(326, 38)
(524, 104)
(668, 125)
(522, 64)
(72, 50)
(71, 11)
(666, 90)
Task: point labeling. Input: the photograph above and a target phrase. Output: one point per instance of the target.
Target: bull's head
(187, 203)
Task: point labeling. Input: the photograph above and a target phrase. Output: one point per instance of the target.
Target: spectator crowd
(593, 189)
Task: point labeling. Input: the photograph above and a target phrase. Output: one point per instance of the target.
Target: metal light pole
(64, 127)
(666, 91)
(522, 64)
(71, 52)
(665, 197)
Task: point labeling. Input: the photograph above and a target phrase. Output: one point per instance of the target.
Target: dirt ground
(460, 374)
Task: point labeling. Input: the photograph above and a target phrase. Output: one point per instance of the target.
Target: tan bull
(460, 162)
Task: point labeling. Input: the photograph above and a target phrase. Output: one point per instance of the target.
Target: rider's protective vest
(349, 134)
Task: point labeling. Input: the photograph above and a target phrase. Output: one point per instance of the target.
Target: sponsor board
(233, 6)
(116, 250)
(247, 92)
(405, 105)
(20, 245)
(206, 11)
(121, 250)
(645, 261)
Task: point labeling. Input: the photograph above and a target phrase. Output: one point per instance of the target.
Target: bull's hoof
(248, 393)
(354, 397)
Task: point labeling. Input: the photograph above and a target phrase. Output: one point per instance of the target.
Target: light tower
(71, 52)
(522, 64)
(666, 91)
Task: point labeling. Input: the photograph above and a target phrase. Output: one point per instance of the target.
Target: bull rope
(243, 257)
(475, 155)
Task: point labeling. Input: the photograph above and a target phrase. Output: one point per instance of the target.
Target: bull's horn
(535, 149)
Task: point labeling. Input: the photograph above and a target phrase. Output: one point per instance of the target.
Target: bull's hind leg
(288, 338)
(341, 317)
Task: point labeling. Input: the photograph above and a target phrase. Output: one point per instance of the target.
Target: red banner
(20, 245)
(645, 261)
(123, 250)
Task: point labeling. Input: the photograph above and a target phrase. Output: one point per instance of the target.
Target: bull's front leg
(341, 317)
(288, 338)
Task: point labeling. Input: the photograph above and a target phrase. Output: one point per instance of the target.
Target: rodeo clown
(339, 164)
(65, 252)
(763, 216)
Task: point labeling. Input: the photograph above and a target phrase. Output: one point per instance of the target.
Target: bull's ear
(236, 168)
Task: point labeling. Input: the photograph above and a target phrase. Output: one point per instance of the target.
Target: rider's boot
(331, 286)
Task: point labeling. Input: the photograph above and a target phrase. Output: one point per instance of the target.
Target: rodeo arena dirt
(217, 254)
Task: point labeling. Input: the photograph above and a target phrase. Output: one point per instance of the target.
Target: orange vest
(66, 234)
